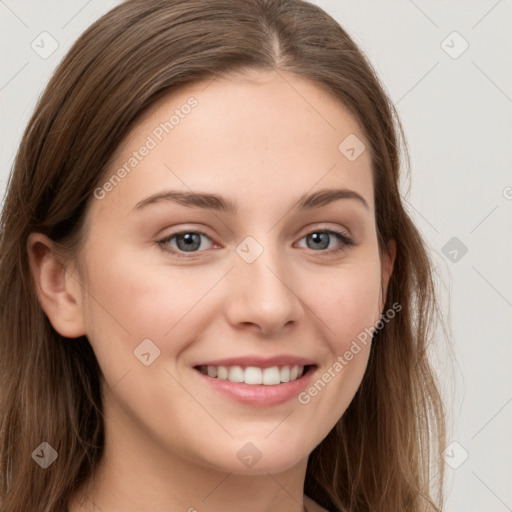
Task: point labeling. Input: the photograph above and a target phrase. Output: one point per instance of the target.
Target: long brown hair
(385, 450)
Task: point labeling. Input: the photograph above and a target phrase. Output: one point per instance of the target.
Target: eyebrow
(222, 204)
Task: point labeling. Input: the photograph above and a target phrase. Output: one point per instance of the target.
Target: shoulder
(313, 506)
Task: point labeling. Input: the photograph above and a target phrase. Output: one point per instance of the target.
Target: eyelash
(346, 242)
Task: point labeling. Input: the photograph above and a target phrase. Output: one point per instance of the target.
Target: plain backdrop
(446, 66)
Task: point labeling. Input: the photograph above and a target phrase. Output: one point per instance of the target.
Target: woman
(172, 336)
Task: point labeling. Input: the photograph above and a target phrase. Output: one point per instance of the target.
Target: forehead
(242, 134)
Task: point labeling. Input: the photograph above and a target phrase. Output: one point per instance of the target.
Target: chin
(258, 457)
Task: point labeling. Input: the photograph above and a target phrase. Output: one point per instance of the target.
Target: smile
(256, 386)
(253, 375)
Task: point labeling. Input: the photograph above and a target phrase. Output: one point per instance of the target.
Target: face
(256, 284)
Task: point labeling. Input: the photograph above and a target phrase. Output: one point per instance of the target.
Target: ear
(58, 291)
(387, 263)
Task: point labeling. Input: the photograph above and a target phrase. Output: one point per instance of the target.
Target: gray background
(456, 109)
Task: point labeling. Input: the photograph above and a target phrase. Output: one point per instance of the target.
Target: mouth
(255, 385)
(254, 375)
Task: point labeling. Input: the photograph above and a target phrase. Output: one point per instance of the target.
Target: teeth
(236, 374)
(254, 375)
(222, 372)
(285, 374)
(271, 376)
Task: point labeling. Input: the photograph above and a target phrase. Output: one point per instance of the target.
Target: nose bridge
(263, 290)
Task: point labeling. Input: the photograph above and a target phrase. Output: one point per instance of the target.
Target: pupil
(190, 239)
(317, 238)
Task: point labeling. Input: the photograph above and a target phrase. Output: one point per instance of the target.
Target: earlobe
(57, 289)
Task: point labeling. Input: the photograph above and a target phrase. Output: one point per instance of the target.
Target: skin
(171, 441)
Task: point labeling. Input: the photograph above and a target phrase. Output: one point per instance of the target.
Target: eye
(186, 241)
(190, 242)
(321, 239)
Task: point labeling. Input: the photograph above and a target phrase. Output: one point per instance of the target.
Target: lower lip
(259, 395)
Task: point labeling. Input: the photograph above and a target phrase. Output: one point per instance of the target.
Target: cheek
(348, 308)
(142, 298)
(136, 300)
(349, 303)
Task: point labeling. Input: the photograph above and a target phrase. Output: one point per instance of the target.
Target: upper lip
(259, 361)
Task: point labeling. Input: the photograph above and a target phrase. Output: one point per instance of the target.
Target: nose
(263, 294)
